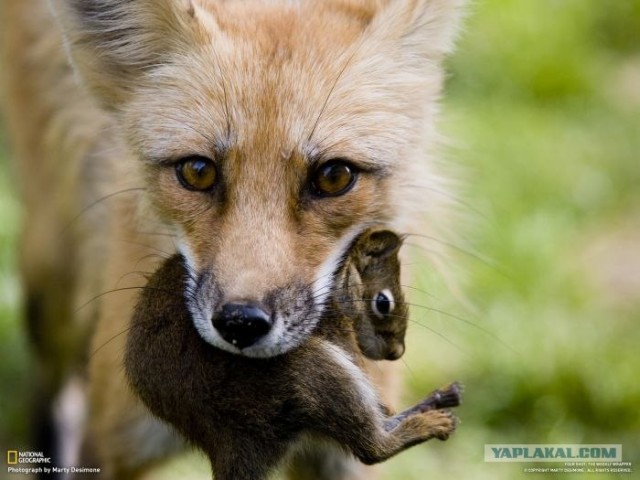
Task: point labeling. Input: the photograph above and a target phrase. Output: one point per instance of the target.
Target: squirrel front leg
(415, 425)
(342, 405)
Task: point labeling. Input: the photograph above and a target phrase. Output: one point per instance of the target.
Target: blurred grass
(544, 106)
(13, 352)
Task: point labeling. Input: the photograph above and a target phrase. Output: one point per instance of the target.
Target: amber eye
(333, 178)
(197, 173)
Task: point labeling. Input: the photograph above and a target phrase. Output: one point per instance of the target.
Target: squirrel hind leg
(438, 424)
(446, 397)
(408, 432)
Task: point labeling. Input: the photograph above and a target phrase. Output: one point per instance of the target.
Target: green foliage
(14, 361)
(544, 108)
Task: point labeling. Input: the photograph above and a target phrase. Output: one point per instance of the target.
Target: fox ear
(425, 29)
(112, 42)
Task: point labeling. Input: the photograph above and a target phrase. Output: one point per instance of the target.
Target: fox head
(271, 133)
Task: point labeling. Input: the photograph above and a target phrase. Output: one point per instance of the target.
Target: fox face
(270, 134)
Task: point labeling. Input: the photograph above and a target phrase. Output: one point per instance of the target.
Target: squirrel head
(369, 291)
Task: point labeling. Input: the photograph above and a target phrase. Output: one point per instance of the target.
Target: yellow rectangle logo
(12, 457)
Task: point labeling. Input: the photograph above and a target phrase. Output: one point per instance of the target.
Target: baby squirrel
(368, 296)
(246, 413)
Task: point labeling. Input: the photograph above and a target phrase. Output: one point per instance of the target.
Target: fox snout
(249, 306)
(242, 325)
(266, 325)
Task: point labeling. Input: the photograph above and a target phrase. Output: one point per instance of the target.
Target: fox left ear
(425, 28)
(113, 42)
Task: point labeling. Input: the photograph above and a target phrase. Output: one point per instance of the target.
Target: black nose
(242, 325)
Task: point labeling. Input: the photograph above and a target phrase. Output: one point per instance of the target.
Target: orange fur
(266, 89)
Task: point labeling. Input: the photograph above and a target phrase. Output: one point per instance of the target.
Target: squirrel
(369, 296)
(247, 413)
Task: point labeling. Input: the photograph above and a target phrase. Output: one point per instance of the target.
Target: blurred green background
(543, 106)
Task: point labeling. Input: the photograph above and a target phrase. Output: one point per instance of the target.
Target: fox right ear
(425, 29)
(113, 42)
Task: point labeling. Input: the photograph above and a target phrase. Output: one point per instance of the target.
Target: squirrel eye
(197, 173)
(333, 178)
(383, 303)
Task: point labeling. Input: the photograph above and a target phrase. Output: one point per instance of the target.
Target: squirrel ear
(382, 243)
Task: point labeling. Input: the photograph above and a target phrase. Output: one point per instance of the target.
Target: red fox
(257, 138)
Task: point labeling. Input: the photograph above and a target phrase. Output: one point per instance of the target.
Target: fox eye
(333, 178)
(197, 173)
(383, 303)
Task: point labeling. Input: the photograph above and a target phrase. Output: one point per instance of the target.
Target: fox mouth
(288, 317)
(279, 322)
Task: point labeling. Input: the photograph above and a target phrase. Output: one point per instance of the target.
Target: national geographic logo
(16, 457)
(35, 463)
